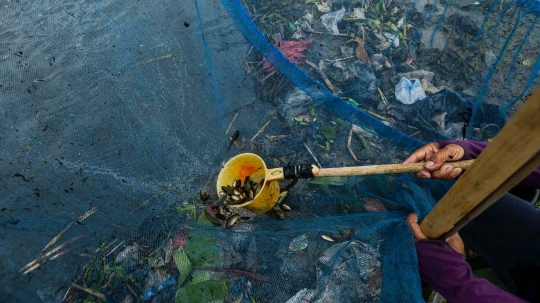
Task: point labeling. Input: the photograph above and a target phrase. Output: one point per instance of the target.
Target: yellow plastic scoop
(248, 164)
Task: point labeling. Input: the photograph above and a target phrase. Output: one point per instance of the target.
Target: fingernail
(430, 164)
(449, 169)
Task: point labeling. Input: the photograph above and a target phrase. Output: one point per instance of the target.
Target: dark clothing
(449, 274)
(473, 149)
(506, 236)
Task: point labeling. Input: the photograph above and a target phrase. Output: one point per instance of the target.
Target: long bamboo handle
(380, 169)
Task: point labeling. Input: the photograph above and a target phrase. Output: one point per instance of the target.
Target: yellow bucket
(248, 164)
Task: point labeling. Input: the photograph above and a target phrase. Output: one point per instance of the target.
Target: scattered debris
(408, 92)
(43, 256)
(330, 20)
(233, 138)
(299, 243)
(263, 128)
(292, 50)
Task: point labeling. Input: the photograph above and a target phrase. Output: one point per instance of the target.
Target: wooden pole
(513, 154)
(274, 174)
(381, 169)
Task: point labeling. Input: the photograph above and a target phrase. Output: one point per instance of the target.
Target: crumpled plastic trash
(342, 265)
(299, 243)
(408, 92)
(331, 20)
(156, 281)
(490, 58)
(296, 103)
(454, 131)
(129, 256)
(367, 79)
(358, 13)
(346, 50)
(394, 38)
(324, 7)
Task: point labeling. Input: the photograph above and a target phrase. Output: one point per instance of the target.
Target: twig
(32, 268)
(508, 11)
(268, 76)
(115, 248)
(230, 124)
(377, 115)
(36, 262)
(342, 59)
(340, 34)
(245, 66)
(67, 292)
(352, 19)
(132, 291)
(89, 291)
(155, 59)
(325, 78)
(384, 100)
(59, 254)
(246, 104)
(233, 271)
(349, 146)
(404, 26)
(312, 155)
(262, 128)
(414, 134)
(87, 214)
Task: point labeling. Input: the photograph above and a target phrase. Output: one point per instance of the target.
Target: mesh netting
(117, 114)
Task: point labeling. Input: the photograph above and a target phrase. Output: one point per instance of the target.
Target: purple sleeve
(451, 276)
(474, 148)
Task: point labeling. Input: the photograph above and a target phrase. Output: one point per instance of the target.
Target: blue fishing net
(117, 114)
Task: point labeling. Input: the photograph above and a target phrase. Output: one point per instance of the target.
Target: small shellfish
(232, 220)
(219, 201)
(285, 207)
(327, 238)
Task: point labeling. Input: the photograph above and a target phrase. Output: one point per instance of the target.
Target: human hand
(454, 241)
(434, 156)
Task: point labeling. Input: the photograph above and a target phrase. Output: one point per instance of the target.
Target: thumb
(451, 152)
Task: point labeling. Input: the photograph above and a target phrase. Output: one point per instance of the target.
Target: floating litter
(299, 243)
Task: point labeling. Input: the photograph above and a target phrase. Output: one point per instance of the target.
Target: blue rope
(317, 91)
(215, 85)
(488, 76)
(481, 31)
(531, 5)
(518, 50)
(534, 73)
(441, 18)
(503, 14)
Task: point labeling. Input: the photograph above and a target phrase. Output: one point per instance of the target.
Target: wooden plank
(489, 177)
(494, 196)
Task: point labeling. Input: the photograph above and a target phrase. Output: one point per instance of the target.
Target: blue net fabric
(117, 114)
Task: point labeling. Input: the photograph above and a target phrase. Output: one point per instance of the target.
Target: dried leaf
(361, 53)
(292, 50)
